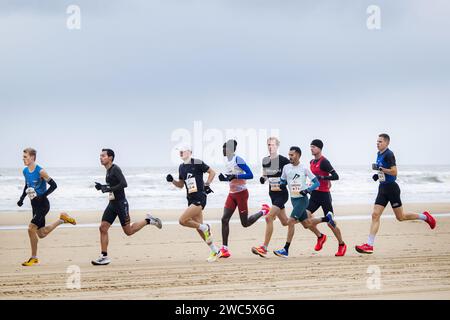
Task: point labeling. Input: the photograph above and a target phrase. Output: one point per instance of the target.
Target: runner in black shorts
(321, 198)
(272, 169)
(388, 192)
(117, 207)
(190, 176)
(36, 180)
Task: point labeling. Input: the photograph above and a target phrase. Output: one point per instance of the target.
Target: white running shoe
(154, 221)
(101, 261)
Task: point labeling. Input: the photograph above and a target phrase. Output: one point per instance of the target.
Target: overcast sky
(139, 70)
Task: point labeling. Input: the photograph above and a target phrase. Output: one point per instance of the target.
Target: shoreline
(23, 217)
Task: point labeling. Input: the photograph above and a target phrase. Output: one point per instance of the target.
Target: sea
(148, 189)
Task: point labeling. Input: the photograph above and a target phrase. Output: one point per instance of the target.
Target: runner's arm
(24, 194)
(122, 181)
(392, 171)
(391, 162)
(50, 181)
(326, 166)
(314, 186)
(248, 174)
(178, 183)
(211, 175)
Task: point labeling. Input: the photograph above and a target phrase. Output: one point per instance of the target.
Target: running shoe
(260, 251)
(224, 253)
(154, 221)
(331, 221)
(67, 219)
(101, 261)
(365, 248)
(282, 253)
(320, 242)
(214, 257)
(342, 250)
(31, 262)
(430, 220)
(265, 209)
(208, 236)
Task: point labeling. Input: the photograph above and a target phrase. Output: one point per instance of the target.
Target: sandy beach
(413, 260)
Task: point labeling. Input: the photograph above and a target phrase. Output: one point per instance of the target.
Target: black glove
(20, 202)
(227, 177)
(375, 166)
(304, 192)
(375, 177)
(262, 180)
(170, 178)
(208, 190)
(106, 189)
(283, 187)
(98, 186)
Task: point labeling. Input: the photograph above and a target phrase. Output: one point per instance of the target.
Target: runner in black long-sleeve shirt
(117, 207)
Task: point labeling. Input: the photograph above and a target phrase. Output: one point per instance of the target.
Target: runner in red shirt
(321, 197)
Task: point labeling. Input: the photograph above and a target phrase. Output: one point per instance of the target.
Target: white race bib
(111, 196)
(274, 184)
(381, 176)
(191, 185)
(295, 189)
(31, 193)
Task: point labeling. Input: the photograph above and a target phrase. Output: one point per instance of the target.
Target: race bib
(31, 193)
(295, 189)
(274, 184)
(191, 185)
(111, 196)
(381, 176)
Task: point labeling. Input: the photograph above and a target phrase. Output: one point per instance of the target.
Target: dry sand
(171, 264)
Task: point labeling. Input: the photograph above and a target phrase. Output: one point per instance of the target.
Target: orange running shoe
(260, 251)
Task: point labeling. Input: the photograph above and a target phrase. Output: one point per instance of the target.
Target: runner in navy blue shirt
(388, 192)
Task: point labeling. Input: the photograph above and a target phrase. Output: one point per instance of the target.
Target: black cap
(317, 143)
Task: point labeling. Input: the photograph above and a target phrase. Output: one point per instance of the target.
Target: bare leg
(44, 232)
(187, 219)
(269, 226)
(199, 219)
(227, 214)
(376, 216)
(337, 233)
(135, 227)
(32, 234)
(402, 216)
(104, 238)
(291, 229)
(313, 228)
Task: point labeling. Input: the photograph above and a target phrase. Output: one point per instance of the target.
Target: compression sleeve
(248, 175)
(52, 188)
(24, 194)
(315, 185)
(122, 181)
(334, 176)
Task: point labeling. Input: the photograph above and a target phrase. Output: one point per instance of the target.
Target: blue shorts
(299, 212)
